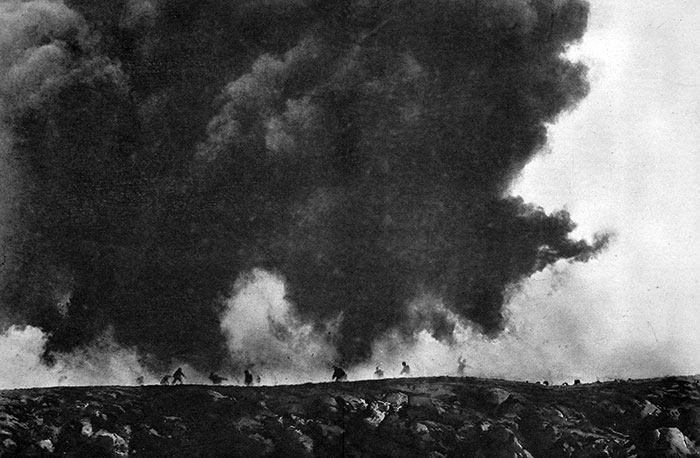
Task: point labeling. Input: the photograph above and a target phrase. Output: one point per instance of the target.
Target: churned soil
(410, 417)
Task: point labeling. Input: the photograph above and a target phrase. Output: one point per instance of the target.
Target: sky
(626, 159)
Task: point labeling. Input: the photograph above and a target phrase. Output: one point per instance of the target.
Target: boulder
(115, 445)
(670, 443)
(350, 403)
(648, 409)
(502, 442)
(496, 396)
(397, 400)
(377, 412)
(86, 429)
(46, 445)
(420, 429)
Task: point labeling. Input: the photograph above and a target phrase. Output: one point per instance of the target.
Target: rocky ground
(418, 417)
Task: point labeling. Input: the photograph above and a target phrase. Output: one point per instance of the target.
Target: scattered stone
(378, 411)
(267, 445)
(649, 409)
(8, 444)
(217, 396)
(397, 400)
(671, 443)
(46, 445)
(247, 424)
(9, 421)
(86, 430)
(112, 443)
(420, 428)
(330, 430)
(496, 396)
(351, 403)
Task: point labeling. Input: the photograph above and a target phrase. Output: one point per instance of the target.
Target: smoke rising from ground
(265, 335)
(165, 150)
(101, 363)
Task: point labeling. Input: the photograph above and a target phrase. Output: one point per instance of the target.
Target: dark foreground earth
(419, 417)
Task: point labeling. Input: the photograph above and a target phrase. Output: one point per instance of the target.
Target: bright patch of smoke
(101, 363)
(161, 150)
(549, 337)
(266, 336)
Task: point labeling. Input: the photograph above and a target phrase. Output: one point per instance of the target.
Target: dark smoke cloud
(360, 149)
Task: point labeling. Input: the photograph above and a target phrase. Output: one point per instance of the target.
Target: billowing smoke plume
(265, 335)
(161, 150)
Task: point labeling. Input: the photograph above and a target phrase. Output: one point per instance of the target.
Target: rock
(420, 428)
(351, 403)
(266, 445)
(502, 442)
(330, 431)
(46, 445)
(216, 395)
(649, 409)
(496, 396)
(672, 415)
(397, 400)
(378, 411)
(247, 424)
(690, 422)
(297, 443)
(670, 443)
(7, 447)
(86, 429)
(422, 406)
(112, 443)
(8, 421)
(327, 403)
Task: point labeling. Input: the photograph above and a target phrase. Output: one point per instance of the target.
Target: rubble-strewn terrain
(417, 417)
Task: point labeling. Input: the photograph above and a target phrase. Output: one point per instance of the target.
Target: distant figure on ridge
(248, 377)
(461, 365)
(139, 379)
(406, 369)
(258, 380)
(339, 374)
(178, 376)
(165, 380)
(216, 379)
(378, 373)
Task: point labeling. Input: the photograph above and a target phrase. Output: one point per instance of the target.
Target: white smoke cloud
(102, 363)
(548, 337)
(264, 334)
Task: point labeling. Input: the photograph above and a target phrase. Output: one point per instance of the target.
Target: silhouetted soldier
(461, 365)
(216, 379)
(258, 380)
(139, 379)
(178, 376)
(378, 373)
(165, 380)
(406, 369)
(339, 374)
(248, 377)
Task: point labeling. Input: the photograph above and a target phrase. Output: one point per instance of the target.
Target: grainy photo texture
(276, 192)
